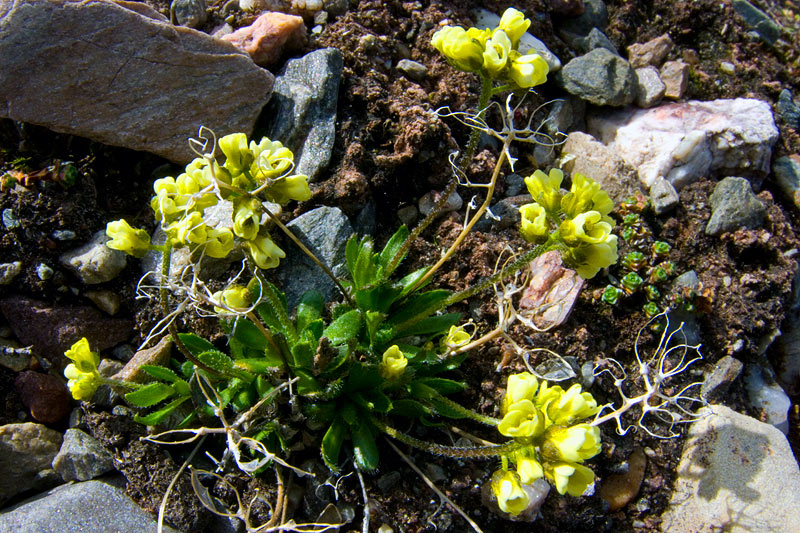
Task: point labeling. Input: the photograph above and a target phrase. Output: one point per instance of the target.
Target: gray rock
(324, 231)
(734, 206)
(564, 115)
(388, 481)
(81, 457)
(189, 13)
(583, 154)
(595, 15)
(10, 220)
(514, 185)
(682, 142)
(767, 397)
(735, 473)
(787, 174)
(44, 271)
(127, 87)
(719, 381)
(366, 220)
(412, 70)
(600, 77)
(527, 43)
(26, 453)
(663, 196)
(97, 506)
(95, 262)
(506, 213)
(9, 271)
(649, 87)
(598, 39)
(429, 200)
(688, 279)
(303, 109)
(651, 53)
(754, 18)
(407, 215)
(788, 110)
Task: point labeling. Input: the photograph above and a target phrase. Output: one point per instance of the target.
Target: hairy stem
(468, 413)
(479, 452)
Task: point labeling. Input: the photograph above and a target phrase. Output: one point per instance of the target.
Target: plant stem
(479, 452)
(310, 254)
(163, 293)
(475, 134)
(474, 220)
(469, 413)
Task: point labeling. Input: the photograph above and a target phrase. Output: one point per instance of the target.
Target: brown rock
(675, 75)
(619, 489)
(551, 292)
(51, 330)
(157, 355)
(652, 52)
(119, 74)
(44, 395)
(269, 37)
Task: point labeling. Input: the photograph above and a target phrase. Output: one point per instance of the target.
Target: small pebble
(413, 70)
(9, 271)
(408, 214)
(10, 221)
(44, 272)
(619, 489)
(63, 235)
(727, 68)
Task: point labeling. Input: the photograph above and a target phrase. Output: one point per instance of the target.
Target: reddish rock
(675, 75)
(652, 52)
(46, 396)
(52, 329)
(269, 37)
(551, 292)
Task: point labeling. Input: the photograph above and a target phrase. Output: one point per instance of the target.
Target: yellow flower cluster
(493, 52)
(580, 215)
(82, 375)
(235, 297)
(252, 172)
(542, 420)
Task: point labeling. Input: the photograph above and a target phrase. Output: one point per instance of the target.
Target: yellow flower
(264, 252)
(272, 159)
(135, 242)
(246, 217)
(546, 188)
(495, 55)
(527, 70)
(83, 378)
(163, 203)
(589, 259)
(586, 195)
(235, 297)
(520, 387)
(289, 188)
(219, 242)
(528, 468)
(393, 364)
(191, 229)
(572, 405)
(514, 24)
(573, 444)
(460, 48)
(481, 36)
(511, 497)
(238, 155)
(189, 187)
(588, 227)
(523, 419)
(455, 338)
(570, 478)
(533, 223)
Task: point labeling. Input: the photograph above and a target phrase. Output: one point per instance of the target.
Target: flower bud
(135, 242)
(586, 195)
(533, 223)
(393, 364)
(511, 497)
(219, 242)
(514, 24)
(289, 188)
(82, 375)
(527, 70)
(236, 297)
(246, 217)
(191, 229)
(520, 387)
(546, 188)
(461, 50)
(264, 252)
(238, 156)
(456, 337)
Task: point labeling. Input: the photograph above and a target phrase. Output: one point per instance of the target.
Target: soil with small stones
(391, 149)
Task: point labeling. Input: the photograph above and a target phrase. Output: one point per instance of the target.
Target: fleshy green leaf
(431, 325)
(410, 408)
(309, 309)
(248, 334)
(365, 449)
(332, 443)
(161, 373)
(216, 360)
(196, 345)
(373, 400)
(411, 279)
(392, 247)
(344, 328)
(363, 377)
(156, 417)
(442, 385)
(417, 307)
(150, 394)
(303, 355)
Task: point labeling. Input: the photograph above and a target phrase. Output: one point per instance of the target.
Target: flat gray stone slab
(118, 73)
